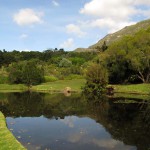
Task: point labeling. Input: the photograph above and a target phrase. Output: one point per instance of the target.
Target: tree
(32, 74)
(29, 73)
(129, 57)
(140, 56)
(1, 58)
(104, 46)
(115, 61)
(16, 72)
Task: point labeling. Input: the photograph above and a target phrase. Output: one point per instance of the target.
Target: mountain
(110, 38)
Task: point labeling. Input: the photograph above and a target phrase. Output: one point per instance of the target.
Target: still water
(56, 122)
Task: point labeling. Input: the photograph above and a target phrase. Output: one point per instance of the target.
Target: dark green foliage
(104, 46)
(16, 73)
(1, 59)
(77, 60)
(28, 73)
(87, 56)
(32, 74)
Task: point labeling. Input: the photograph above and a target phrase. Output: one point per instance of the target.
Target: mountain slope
(128, 30)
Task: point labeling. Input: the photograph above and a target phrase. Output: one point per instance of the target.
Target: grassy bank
(7, 140)
(12, 87)
(60, 85)
(133, 88)
(75, 85)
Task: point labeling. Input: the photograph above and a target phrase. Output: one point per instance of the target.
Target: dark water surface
(56, 122)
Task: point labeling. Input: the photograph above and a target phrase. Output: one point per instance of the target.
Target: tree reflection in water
(126, 122)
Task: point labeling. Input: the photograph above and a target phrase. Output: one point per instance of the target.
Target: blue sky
(38, 25)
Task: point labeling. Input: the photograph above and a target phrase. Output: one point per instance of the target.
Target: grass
(7, 140)
(12, 87)
(75, 85)
(60, 85)
(133, 88)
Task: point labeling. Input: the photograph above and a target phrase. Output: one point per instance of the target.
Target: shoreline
(61, 91)
(8, 141)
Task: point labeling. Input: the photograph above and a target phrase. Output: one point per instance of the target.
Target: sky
(38, 25)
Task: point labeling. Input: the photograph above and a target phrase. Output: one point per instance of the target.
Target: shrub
(96, 80)
(50, 78)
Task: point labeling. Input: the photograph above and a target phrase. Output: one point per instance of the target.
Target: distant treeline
(51, 56)
(35, 67)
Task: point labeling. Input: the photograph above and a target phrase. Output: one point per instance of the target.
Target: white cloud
(26, 50)
(76, 137)
(23, 36)
(114, 14)
(116, 9)
(110, 144)
(110, 24)
(68, 44)
(142, 2)
(69, 121)
(55, 3)
(28, 16)
(72, 28)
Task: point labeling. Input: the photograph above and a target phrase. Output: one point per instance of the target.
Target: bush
(96, 80)
(50, 78)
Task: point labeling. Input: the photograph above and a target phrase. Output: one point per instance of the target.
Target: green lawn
(133, 88)
(60, 85)
(7, 140)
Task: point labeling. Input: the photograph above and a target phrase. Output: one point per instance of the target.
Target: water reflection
(54, 121)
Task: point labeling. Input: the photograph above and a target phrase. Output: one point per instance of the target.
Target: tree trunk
(145, 79)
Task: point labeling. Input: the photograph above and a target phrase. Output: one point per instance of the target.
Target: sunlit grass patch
(60, 85)
(12, 87)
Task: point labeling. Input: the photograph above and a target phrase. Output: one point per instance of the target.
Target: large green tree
(139, 56)
(129, 57)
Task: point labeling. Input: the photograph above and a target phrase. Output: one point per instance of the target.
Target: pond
(44, 121)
